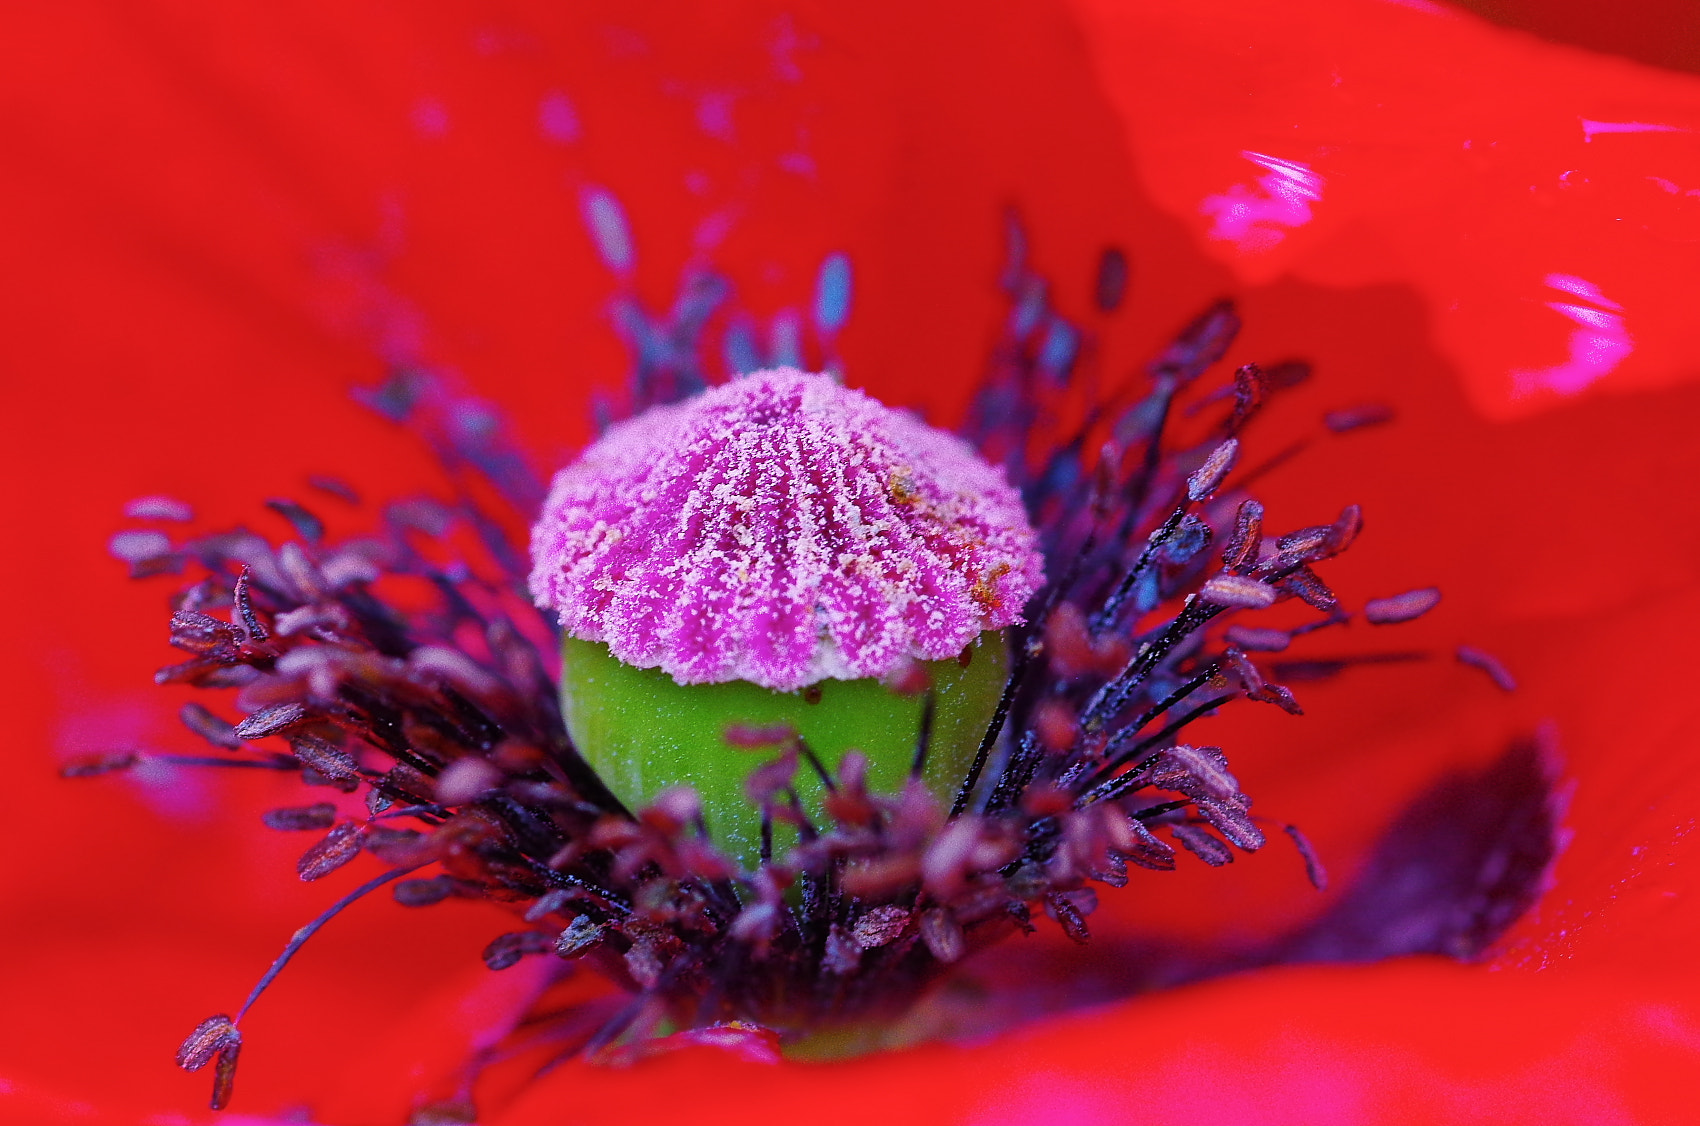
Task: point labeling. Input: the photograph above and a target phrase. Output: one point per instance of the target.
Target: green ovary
(645, 733)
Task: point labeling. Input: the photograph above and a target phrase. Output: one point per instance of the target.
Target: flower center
(806, 753)
(757, 560)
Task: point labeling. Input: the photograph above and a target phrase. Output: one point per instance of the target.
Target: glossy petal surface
(1544, 202)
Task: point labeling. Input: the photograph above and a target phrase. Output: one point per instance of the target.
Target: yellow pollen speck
(901, 488)
(984, 592)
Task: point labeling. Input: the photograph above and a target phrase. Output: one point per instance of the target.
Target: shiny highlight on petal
(1257, 218)
(1598, 343)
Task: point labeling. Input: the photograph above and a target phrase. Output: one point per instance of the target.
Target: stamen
(925, 735)
(994, 729)
(299, 939)
(1121, 784)
(1488, 663)
(217, 1036)
(1401, 607)
(1314, 871)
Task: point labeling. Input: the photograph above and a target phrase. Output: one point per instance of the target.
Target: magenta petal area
(782, 529)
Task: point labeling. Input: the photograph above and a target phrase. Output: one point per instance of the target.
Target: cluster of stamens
(387, 666)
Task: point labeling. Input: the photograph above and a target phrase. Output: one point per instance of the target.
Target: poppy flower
(220, 222)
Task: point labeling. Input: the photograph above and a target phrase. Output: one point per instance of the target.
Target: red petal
(1543, 201)
(1413, 1042)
